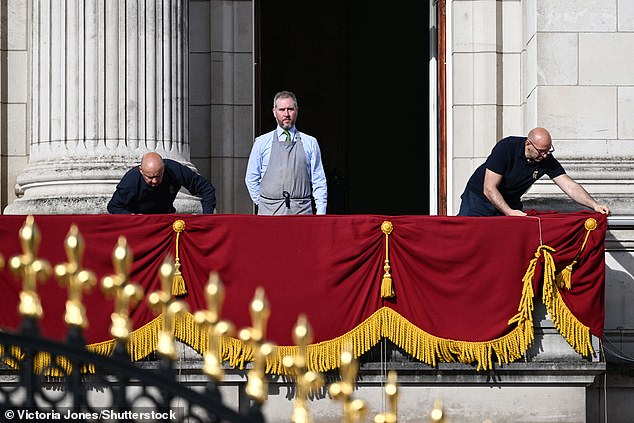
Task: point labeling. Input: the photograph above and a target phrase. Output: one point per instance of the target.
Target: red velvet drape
(454, 278)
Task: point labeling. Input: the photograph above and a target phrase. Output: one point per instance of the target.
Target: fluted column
(108, 82)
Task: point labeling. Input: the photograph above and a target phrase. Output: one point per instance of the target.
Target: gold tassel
(564, 277)
(178, 282)
(387, 287)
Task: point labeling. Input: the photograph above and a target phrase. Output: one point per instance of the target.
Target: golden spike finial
(257, 386)
(391, 392)
(353, 410)
(30, 269)
(210, 320)
(260, 313)
(75, 278)
(162, 300)
(437, 415)
(305, 380)
(124, 291)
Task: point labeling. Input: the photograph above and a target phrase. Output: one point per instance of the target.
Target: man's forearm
(575, 191)
(495, 197)
(581, 196)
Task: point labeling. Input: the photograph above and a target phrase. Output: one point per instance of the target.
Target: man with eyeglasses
(515, 163)
(152, 187)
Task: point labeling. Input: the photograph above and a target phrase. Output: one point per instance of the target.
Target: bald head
(538, 144)
(152, 168)
(541, 137)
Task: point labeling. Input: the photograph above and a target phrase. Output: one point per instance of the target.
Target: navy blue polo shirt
(518, 173)
(134, 195)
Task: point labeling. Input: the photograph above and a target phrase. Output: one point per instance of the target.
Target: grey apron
(285, 187)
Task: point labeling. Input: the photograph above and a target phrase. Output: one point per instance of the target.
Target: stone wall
(583, 94)
(13, 95)
(487, 53)
(221, 97)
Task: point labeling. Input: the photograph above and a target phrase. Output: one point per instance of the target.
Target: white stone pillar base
(74, 186)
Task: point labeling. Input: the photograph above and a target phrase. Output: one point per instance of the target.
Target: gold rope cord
(178, 284)
(564, 277)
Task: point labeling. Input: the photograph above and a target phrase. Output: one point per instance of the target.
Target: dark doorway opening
(361, 77)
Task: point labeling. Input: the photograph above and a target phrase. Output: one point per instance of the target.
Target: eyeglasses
(542, 152)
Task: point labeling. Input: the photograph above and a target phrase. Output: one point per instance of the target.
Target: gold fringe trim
(387, 286)
(564, 277)
(431, 349)
(142, 342)
(574, 332)
(524, 316)
(326, 355)
(384, 323)
(178, 282)
(42, 363)
(321, 357)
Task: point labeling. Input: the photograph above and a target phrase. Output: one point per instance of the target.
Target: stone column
(107, 83)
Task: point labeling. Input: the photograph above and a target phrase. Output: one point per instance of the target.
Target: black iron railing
(49, 380)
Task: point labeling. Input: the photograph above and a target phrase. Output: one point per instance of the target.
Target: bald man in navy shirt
(514, 165)
(152, 187)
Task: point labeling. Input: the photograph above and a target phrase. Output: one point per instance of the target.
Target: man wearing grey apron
(285, 171)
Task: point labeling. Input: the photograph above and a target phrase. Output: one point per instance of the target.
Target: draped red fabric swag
(457, 281)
